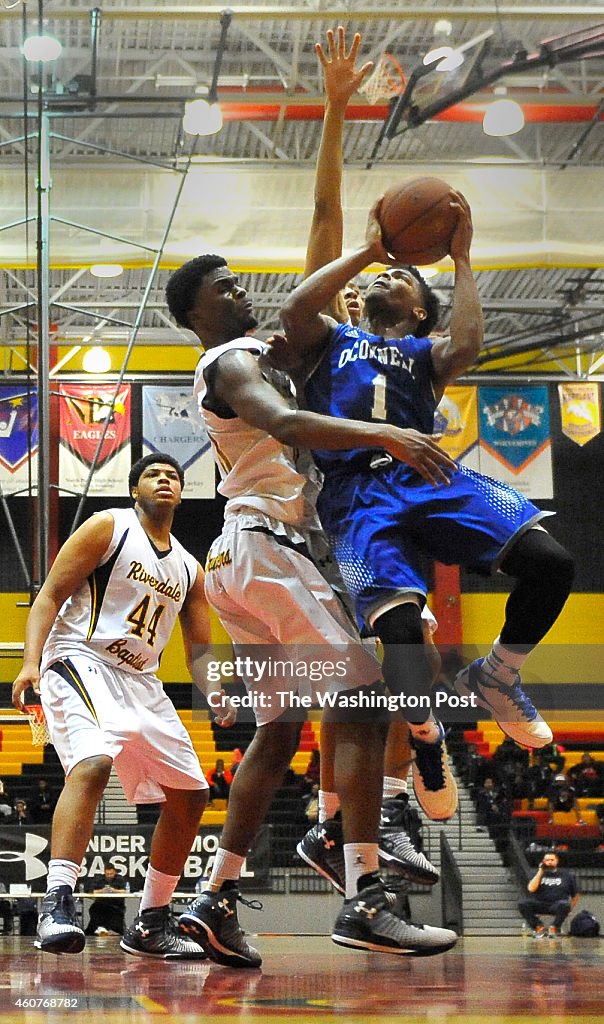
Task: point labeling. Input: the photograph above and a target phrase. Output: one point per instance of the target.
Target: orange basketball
(417, 220)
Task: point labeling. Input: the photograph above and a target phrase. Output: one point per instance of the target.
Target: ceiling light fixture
(503, 116)
(41, 48)
(96, 360)
(106, 269)
(202, 118)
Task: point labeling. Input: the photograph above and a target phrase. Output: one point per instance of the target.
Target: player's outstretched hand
(422, 452)
(27, 677)
(459, 247)
(373, 236)
(342, 79)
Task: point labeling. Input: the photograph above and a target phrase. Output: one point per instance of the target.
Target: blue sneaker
(511, 708)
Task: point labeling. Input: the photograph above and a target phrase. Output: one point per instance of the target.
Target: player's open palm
(423, 453)
(342, 79)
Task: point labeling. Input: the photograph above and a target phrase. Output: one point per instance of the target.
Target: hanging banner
(84, 409)
(456, 419)
(515, 444)
(171, 423)
(580, 411)
(18, 440)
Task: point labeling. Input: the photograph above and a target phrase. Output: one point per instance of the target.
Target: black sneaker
(433, 783)
(155, 934)
(323, 848)
(58, 931)
(212, 921)
(397, 852)
(367, 922)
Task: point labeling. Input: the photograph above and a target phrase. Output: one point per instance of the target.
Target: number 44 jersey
(124, 613)
(366, 377)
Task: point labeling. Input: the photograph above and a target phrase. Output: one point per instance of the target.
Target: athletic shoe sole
(72, 943)
(393, 862)
(517, 731)
(203, 934)
(379, 947)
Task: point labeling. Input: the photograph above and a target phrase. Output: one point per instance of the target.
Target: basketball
(417, 220)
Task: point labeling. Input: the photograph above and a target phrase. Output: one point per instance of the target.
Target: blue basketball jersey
(366, 377)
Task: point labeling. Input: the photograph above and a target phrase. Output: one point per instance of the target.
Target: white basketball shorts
(265, 589)
(93, 709)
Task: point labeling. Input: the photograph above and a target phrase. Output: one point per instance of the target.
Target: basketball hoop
(40, 735)
(386, 80)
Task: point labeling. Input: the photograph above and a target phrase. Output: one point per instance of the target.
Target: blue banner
(18, 438)
(171, 423)
(515, 444)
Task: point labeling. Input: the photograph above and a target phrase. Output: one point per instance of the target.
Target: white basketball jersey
(126, 610)
(257, 471)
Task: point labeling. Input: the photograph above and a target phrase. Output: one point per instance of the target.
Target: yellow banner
(580, 411)
(457, 420)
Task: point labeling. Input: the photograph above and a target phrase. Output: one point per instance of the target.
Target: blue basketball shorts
(383, 523)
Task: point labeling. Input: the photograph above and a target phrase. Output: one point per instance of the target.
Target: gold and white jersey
(125, 611)
(258, 473)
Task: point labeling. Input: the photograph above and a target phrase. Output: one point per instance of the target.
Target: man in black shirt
(107, 915)
(552, 891)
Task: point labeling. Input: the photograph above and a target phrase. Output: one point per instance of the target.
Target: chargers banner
(84, 409)
(457, 420)
(171, 423)
(515, 444)
(580, 411)
(18, 415)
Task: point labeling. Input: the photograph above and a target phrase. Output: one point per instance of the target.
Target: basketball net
(386, 80)
(40, 735)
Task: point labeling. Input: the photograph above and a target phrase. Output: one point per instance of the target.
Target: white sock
(428, 732)
(360, 859)
(329, 804)
(158, 889)
(62, 872)
(226, 868)
(393, 786)
(501, 664)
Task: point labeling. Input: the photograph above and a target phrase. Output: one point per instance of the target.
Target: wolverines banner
(171, 423)
(84, 410)
(515, 444)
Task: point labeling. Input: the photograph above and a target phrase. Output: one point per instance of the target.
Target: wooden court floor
(502, 981)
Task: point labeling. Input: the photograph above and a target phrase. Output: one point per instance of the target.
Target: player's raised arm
(76, 560)
(452, 355)
(342, 80)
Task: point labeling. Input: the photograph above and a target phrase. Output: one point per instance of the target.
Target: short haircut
(430, 302)
(183, 284)
(150, 460)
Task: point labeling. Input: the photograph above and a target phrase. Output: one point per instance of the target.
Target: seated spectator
(587, 777)
(539, 777)
(6, 809)
(552, 891)
(20, 815)
(562, 797)
(311, 807)
(236, 760)
(509, 754)
(107, 915)
(43, 803)
(219, 781)
(516, 785)
(493, 810)
(553, 756)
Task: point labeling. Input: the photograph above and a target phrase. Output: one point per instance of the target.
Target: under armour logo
(140, 928)
(34, 867)
(224, 906)
(327, 843)
(359, 859)
(362, 908)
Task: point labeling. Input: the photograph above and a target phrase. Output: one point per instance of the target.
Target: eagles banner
(515, 444)
(18, 439)
(580, 411)
(84, 410)
(456, 419)
(171, 423)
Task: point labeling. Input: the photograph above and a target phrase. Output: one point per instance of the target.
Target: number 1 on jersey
(378, 411)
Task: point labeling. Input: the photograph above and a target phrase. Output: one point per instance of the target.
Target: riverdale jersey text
(366, 377)
(124, 613)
